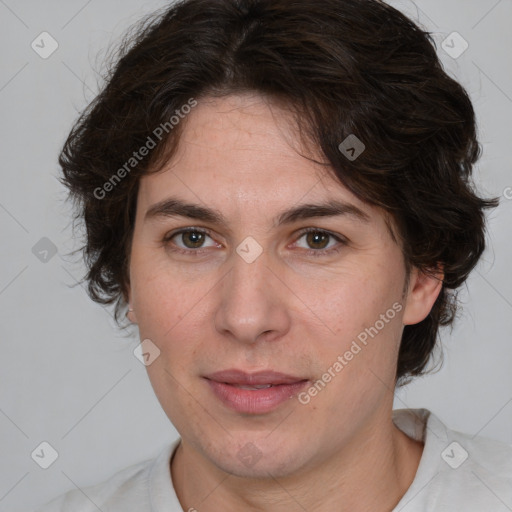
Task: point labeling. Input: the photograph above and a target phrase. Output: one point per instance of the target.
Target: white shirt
(457, 472)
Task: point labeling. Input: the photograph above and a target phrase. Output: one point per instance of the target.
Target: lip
(254, 401)
(234, 376)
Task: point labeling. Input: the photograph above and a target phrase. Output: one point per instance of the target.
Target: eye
(318, 240)
(191, 238)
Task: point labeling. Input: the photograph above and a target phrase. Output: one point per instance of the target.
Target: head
(244, 110)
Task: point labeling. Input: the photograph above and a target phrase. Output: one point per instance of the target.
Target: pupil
(196, 237)
(315, 237)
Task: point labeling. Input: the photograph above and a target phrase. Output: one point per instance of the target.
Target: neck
(371, 473)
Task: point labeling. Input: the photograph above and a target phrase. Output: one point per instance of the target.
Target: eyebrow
(174, 207)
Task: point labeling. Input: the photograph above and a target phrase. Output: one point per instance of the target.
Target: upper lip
(242, 378)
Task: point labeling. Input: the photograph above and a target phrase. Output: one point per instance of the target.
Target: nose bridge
(248, 276)
(250, 301)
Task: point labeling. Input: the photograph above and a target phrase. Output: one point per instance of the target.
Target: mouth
(254, 393)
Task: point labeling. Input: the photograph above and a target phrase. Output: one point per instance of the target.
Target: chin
(250, 457)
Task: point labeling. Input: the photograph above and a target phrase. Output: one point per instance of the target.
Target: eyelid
(343, 241)
(337, 236)
(169, 236)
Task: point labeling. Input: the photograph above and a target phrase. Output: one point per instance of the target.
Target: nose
(252, 302)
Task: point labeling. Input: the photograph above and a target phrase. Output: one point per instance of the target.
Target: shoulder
(456, 469)
(479, 467)
(128, 489)
(471, 452)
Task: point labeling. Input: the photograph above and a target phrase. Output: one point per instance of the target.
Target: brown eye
(318, 242)
(187, 240)
(193, 239)
(317, 239)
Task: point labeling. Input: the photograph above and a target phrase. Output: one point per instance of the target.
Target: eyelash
(310, 252)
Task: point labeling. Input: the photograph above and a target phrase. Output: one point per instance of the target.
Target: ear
(130, 314)
(422, 293)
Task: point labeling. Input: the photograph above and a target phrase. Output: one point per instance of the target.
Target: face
(317, 314)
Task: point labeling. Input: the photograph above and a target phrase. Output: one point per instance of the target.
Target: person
(278, 195)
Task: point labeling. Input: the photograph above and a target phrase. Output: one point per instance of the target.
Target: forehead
(243, 155)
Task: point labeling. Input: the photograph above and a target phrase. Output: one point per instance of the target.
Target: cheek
(351, 302)
(162, 296)
(176, 397)
(363, 314)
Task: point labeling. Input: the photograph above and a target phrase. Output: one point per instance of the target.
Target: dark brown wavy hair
(342, 67)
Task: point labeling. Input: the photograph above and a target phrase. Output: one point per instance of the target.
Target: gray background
(69, 377)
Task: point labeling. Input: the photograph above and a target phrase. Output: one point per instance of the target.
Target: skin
(288, 311)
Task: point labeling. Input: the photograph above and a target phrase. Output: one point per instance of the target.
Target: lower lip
(257, 401)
